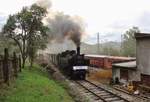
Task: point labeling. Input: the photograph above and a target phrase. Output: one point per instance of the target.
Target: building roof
(142, 35)
(111, 57)
(128, 65)
(97, 56)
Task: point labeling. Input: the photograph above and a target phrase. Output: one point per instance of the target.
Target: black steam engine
(72, 64)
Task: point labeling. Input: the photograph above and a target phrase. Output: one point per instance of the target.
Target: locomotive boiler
(73, 64)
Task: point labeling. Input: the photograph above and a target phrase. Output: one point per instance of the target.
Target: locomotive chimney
(78, 50)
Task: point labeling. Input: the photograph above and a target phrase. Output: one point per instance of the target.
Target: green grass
(34, 86)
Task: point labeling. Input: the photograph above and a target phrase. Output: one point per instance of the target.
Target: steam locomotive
(72, 64)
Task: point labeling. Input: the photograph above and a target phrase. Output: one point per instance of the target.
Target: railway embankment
(34, 86)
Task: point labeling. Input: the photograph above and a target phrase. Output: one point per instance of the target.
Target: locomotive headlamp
(80, 67)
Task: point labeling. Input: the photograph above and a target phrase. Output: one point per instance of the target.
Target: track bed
(99, 93)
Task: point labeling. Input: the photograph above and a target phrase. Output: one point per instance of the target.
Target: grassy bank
(34, 86)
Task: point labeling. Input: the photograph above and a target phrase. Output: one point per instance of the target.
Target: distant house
(138, 70)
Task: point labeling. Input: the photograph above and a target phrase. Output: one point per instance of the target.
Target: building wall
(143, 56)
(134, 75)
(107, 63)
(145, 79)
(96, 62)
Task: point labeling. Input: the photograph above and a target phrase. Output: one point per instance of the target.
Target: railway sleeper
(98, 92)
(89, 93)
(92, 88)
(102, 91)
(108, 96)
(103, 94)
(118, 101)
(112, 99)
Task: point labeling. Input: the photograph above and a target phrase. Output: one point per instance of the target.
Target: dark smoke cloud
(63, 26)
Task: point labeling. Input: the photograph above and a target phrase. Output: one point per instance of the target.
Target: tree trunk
(31, 63)
(15, 64)
(6, 66)
(20, 63)
(23, 61)
(23, 54)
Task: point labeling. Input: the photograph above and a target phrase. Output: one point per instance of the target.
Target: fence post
(6, 66)
(20, 63)
(15, 64)
(1, 71)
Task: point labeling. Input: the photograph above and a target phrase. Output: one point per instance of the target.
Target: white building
(138, 70)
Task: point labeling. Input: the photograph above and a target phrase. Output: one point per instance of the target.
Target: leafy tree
(26, 24)
(7, 43)
(128, 43)
(34, 44)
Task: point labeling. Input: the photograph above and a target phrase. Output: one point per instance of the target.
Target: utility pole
(121, 44)
(98, 43)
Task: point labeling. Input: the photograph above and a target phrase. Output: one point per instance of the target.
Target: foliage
(26, 24)
(35, 43)
(7, 43)
(34, 86)
(129, 44)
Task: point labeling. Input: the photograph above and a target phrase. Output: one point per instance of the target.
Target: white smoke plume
(44, 3)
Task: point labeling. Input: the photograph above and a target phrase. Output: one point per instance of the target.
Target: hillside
(85, 48)
(93, 49)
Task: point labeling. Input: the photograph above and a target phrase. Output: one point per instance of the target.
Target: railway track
(100, 94)
(141, 96)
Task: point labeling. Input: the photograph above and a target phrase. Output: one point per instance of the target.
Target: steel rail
(100, 89)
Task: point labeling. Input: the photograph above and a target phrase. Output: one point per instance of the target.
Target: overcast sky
(110, 18)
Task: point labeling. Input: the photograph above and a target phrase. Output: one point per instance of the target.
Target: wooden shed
(125, 71)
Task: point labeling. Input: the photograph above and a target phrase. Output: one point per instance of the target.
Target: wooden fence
(9, 66)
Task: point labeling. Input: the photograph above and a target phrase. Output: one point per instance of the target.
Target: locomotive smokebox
(78, 50)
